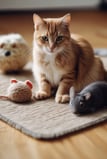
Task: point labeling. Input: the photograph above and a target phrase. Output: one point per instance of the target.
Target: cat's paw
(42, 95)
(62, 98)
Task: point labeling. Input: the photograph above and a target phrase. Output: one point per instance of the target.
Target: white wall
(45, 4)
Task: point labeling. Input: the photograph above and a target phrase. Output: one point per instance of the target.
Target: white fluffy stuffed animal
(14, 52)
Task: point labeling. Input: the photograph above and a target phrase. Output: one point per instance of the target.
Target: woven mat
(43, 119)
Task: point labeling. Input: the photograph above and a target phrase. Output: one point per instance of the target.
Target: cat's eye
(44, 38)
(59, 38)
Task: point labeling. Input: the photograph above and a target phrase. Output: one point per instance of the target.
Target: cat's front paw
(42, 95)
(62, 98)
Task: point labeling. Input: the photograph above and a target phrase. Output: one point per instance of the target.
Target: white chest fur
(53, 73)
(49, 68)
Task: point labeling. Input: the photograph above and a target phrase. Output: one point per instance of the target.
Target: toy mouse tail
(4, 97)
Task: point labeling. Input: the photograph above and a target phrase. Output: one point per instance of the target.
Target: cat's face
(52, 35)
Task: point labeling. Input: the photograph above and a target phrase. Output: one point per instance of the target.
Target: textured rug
(43, 119)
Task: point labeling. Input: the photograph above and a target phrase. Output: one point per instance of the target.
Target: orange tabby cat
(62, 59)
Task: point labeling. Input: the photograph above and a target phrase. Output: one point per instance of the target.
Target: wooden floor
(88, 144)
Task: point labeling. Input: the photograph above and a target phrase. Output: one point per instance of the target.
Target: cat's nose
(7, 53)
(51, 46)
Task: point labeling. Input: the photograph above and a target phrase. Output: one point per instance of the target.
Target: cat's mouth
(50, 52)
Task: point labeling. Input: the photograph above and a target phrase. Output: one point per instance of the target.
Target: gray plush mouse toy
(92, 98)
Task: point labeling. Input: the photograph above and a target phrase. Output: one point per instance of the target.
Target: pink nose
(52, 47)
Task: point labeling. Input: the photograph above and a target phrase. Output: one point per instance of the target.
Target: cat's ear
(67, 19)
(37, 21)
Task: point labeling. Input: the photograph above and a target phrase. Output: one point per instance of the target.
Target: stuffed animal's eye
(2, 45)
(59, 38)
(44, 38)
(14, 45)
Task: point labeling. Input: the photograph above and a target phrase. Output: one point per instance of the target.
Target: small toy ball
(19, 91)
(14, 53)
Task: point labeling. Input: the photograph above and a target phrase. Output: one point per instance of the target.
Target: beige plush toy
(19, 91)
(14, 52)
